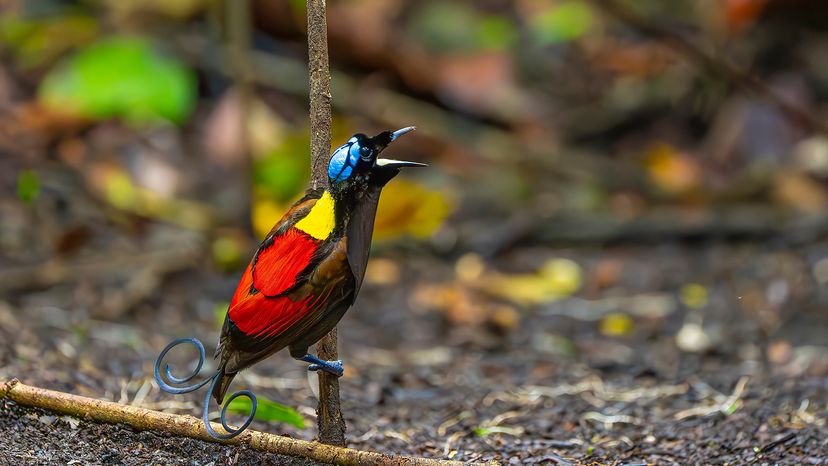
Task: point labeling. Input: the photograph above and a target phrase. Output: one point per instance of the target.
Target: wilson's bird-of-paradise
(302, 278)
(308, 270)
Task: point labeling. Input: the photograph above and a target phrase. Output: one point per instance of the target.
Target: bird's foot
(331, 367)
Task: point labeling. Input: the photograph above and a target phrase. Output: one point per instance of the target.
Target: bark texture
(320, 92)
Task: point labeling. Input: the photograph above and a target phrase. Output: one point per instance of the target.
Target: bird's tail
(221, 385)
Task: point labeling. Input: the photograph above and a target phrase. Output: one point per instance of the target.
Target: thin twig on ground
(780, 441)
(723, 405)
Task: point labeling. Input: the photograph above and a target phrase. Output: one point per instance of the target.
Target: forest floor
(557, 383)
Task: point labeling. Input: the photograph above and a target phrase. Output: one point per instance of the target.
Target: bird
(309, 268)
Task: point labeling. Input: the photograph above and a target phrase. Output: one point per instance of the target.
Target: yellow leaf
(558, 278)
(409, 208)
(265, 212)
(616, 325)
(693, 295)
(522, 289)
(672, 171)
(120, 191)
(564, 276)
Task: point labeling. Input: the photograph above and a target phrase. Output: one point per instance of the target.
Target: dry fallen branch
(189, 426)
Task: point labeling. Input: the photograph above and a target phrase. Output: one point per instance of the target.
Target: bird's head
(356, 164)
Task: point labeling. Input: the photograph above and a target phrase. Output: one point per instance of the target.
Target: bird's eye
(365, 153)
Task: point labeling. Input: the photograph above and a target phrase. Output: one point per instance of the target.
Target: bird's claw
(331, 367)
(316, 364)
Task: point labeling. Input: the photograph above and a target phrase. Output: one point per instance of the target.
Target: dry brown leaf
(801, 192)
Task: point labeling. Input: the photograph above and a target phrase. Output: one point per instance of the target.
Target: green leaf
(268, 411)
(732, 407)
(299, 7)
(481, 431)
(496, 33)
(484, 431)
(283, 173)
(220, 312)
(562, 23)
(121, 77)
(28, 186)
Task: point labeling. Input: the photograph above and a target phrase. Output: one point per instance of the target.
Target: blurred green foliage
(562, 22)
(28, 186)
(268, 411)
(446, 27)
(283, 172)
(121, 77)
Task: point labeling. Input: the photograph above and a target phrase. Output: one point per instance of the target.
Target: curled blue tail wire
(176, 385)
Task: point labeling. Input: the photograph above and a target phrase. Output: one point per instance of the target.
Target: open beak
(391, 163)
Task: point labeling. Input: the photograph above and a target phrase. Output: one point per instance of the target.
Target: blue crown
(343, 161)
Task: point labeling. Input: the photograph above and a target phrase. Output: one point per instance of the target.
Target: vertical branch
(329, 415)
(329, 418)
(320, 92)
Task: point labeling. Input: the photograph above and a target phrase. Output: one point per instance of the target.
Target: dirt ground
(32, 436)
(551, 386)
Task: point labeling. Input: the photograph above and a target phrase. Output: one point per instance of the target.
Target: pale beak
(402, 131)
(391, 163)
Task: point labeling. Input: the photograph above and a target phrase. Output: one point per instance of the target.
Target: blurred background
(622, 196)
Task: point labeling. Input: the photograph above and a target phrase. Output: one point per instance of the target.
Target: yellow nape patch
(321, 219)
